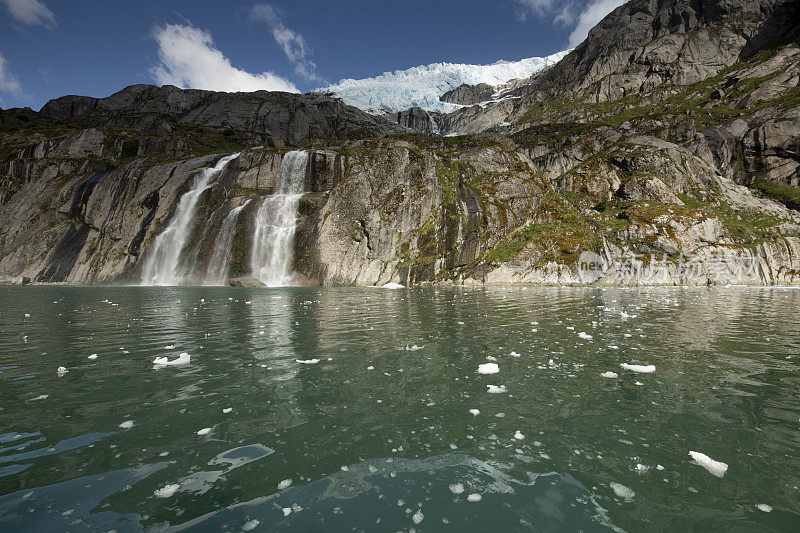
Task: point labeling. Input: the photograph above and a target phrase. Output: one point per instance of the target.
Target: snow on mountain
(422, 86)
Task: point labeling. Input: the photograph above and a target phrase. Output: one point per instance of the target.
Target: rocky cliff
(664, 149)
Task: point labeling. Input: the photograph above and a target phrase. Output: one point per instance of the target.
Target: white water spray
(276, 221)
(163, 260)
(217, 272)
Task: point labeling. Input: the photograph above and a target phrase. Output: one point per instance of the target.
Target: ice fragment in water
(488, 368)
(183, 359)
(584, 335)
(92, 357)
(518, 435)
(622, 491)
(474, 497)
(642, 369)
(456, 488)
(475, 412)
(227, 410)
(128, 424)
(493, 389)
(307, 361)
(250, 524)
(716, 468)
(167, 491)
(204, 431)
(610, 375)
(764, 507)
(393, 286)
(417, 517)
(61, 371)
(285, 484)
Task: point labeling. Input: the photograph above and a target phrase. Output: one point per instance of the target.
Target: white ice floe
(488, 368)
(514, 354)
(642, 369)
(494, 389)
(307, 361)
(457, 488)
(227, 410)
(417, 517)
(584, 335)
(61, 371)
(40, 397)
(641, 469)
(183, 359)
(250, 525)
(169, 346)
(716, 468)
(286, 511)
(622, 491)
(764, 507)
(92, 357)
(518, 435)
(168, 491)
(128, 424)
(474, 497)
(610, 375)
(285, 484)
(204, 431)
(474, 412)
(393, 286)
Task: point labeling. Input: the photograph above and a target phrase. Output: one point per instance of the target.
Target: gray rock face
(271, 117)
(469, 94)
(418, 120)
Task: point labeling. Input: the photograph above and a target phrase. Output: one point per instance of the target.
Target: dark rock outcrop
(469, 94)
(266, 117)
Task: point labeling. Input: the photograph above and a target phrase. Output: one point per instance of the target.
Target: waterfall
(275, 222)
(220, 257)
(163, 260)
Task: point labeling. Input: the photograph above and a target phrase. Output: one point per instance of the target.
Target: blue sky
(49, 48)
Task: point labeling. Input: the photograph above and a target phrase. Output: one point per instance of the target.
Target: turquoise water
(387, 424)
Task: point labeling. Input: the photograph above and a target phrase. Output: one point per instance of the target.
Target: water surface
(386, 424)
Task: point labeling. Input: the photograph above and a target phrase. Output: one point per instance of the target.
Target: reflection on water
(338, 408)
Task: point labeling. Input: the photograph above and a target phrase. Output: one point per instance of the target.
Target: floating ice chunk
(168, 491)
(92, 357)
(128, 424)
(227, 410)
(457, 488)
(27, 315)
(641, 469)
(514, 354)
(370, 367)
(642, 369)
(183, 359)
(169, 346)
(518, 435)
(61, 371)
(494, 389)
(622, 491)
(488, 368)
(474, 412)
(764, 507)
(716, 468)
(40, 397)
(417, 517)
(287, 511)
(613, 346)
(659, 467)
(584, 335)
(474, 497)
(204, 431)
(285, 484)
(610, 375)
(413, 348)
(250, 525)
(307, 361)
(393, 286)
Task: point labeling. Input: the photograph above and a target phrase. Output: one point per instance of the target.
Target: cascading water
(220, 258)
(163, 260)
(275, 223)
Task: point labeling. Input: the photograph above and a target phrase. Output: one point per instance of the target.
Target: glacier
(422, 86)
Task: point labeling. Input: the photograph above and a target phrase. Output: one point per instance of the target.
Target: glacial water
(341, 409)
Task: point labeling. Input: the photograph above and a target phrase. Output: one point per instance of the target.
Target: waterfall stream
(163, 261)
(275, 223)
(217, 272)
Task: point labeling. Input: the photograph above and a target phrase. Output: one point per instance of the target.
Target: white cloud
(30, 13)
(8, 83)
(189, 59)
(580, 15)
(589, 17)
(292, 43)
